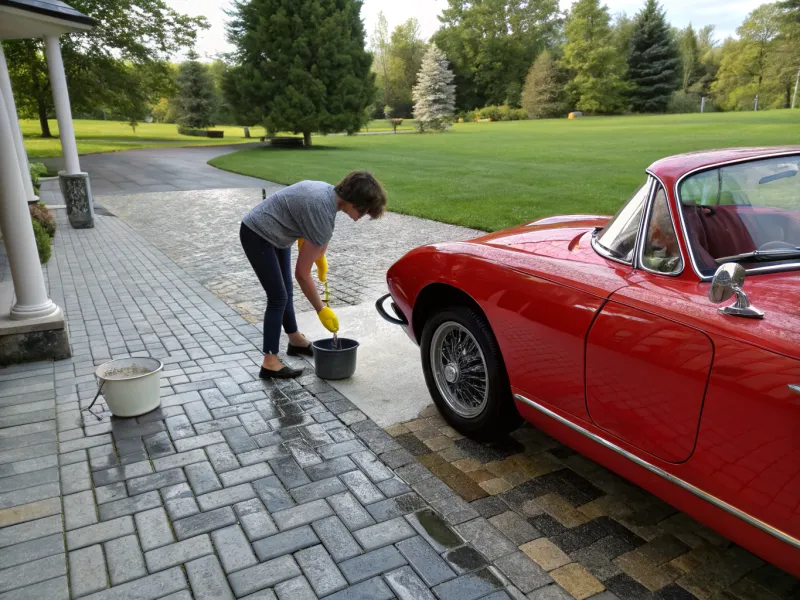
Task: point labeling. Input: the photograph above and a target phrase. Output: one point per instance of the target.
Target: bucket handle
(96, 396)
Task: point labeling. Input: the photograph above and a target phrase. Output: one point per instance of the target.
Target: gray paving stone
(87, 571)
(330, 468)
(32, 550)
(317, 490)
(29, 495)
(197, 412)
(320, 570)
(129, 506)
(425, 561)
(127, 429)
(254, 423)
(179, 427)
(336, 538)
(302, 514)
(523, 572)
(155, 481)
(285, 543)
(255, 520)
(178, 553)
(233, 548)
(30, 530)
(125, 559)
(79, 510)
(83, 443)
(393, 487)
(486, 539)
(407, 585)
(218, 424)
(100, 532)
(245, 474)
(52, 589)
(469, 587)
(361, 487)
(352, 514)
(340, 449)
(273, 494)
(181, 459)
(180, 399)
(204, 522)
(262, 455)
(371, 564)
(154, 529)
(202, 478)
(374, 589)
(239, 440)
(264, 575)
(30, 476)
(213, 398)
(373, 468)
(515, 528)
(182, 595)
(75, 478)
(151, 587)
(207, 579)
(199, 441)
(303, 453)
(556, 592)
(434, 529)
(226, 497)
(289, 472)
(383, 534)
(295, 589)
(222, 459)
(109, 476)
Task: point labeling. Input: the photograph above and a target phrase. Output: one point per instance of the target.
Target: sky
(727, 16)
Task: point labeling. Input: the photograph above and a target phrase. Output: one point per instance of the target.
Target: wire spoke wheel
(459, 369)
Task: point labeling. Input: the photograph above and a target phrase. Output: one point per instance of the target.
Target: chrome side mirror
(729, 280)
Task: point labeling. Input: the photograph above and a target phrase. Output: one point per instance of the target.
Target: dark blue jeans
(273, 267)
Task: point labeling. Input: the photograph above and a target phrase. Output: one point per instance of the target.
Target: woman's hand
(329, 319)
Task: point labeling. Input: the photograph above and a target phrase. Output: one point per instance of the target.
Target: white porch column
(19, 143)
(58, 81)
(15, 223)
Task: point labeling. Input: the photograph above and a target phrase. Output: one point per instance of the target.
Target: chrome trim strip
(794, 388)
(683, 223)
(640, 251)
(776, 533)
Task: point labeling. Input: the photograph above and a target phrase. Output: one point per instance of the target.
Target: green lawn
(494, 175)
(110, 136)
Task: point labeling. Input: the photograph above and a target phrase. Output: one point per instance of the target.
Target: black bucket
(335, 363)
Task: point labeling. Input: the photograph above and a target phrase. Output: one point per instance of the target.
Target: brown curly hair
(363, 191)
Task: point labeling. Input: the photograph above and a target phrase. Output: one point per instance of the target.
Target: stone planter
(77, 192)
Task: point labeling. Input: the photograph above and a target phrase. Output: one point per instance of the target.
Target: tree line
(309, 66)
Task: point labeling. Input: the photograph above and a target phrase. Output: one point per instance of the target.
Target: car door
(646, 370)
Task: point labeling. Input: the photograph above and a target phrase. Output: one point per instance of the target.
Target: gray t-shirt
(306, 210)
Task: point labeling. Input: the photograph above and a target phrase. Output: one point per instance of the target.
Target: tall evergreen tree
(590, 56)
(652, 61)
(195, 99)
(300, 65)
(434, 95)
(543, 94)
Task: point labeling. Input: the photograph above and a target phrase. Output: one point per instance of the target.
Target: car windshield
(747, 213)
(617, 239)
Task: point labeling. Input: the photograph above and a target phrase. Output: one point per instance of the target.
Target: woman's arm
(309, 253)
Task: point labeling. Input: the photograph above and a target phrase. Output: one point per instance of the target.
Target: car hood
(555, 237)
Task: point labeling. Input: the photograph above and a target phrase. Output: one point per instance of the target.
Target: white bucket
(131, 386)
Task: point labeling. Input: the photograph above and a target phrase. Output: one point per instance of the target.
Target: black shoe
(284, 373)
(300, 350)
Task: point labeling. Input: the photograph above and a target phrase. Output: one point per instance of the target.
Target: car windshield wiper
(776, 254)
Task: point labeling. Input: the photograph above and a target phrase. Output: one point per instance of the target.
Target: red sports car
(635, 339)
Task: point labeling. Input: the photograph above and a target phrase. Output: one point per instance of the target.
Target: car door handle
(795, 388)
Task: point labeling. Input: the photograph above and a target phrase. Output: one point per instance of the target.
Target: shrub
(519, 114)
(43, 241)
(493, 113)
(37, 170)
(42, 214)
(683, 102)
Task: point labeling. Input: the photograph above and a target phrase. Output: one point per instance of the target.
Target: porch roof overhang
(20, 19)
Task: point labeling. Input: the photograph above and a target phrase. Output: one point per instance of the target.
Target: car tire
(459, 339)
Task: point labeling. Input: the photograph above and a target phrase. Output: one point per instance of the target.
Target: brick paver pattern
(234, 487)
(199, 230)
